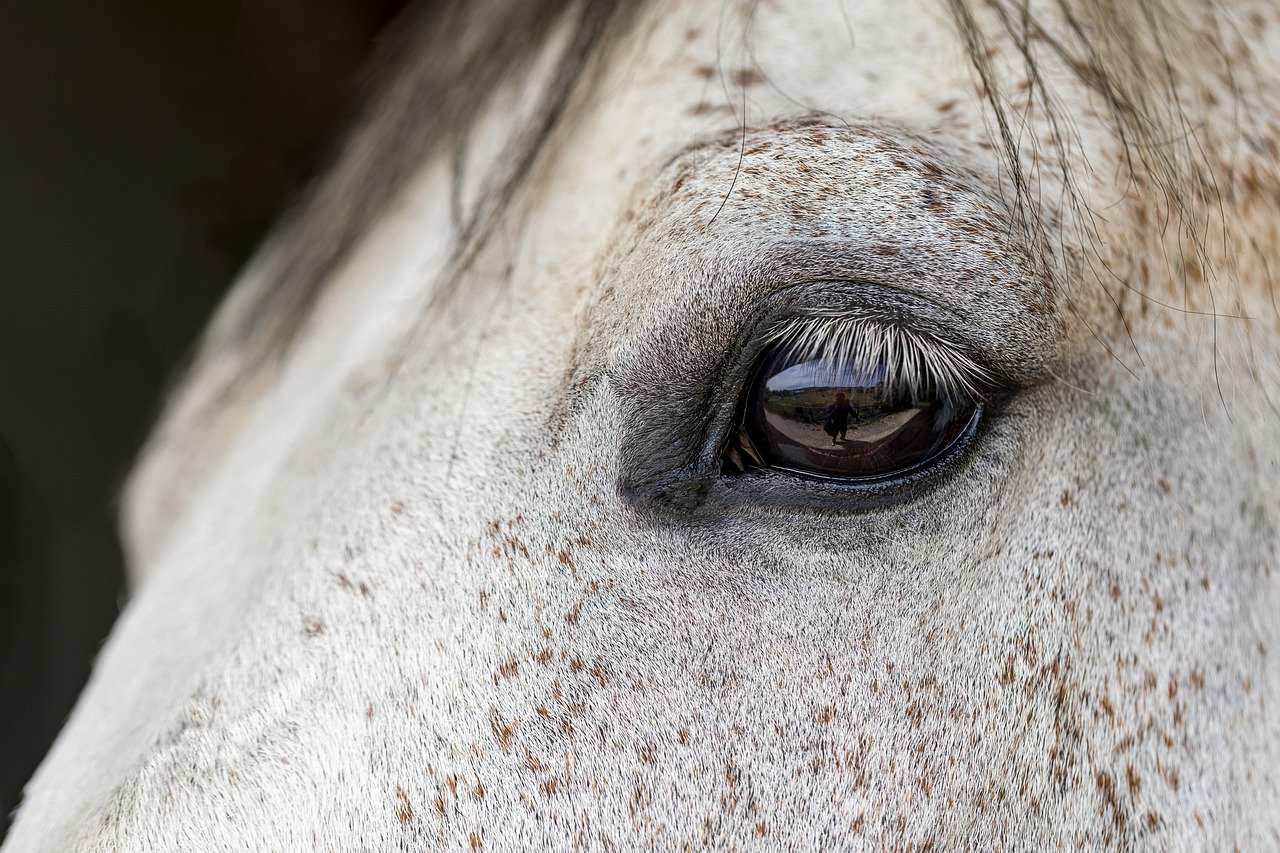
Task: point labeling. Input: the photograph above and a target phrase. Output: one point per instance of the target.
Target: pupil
(817, 417)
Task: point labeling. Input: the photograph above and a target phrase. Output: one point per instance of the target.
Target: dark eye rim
(677, 470)
(740, 446)
(888, 478)
(769, 491)
(782, 487)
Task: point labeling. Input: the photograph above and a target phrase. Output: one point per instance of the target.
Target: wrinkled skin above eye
(812, 415)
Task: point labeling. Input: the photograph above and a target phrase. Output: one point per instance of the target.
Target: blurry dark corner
(146, 147)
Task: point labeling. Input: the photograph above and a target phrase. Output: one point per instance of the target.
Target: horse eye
(812, 414)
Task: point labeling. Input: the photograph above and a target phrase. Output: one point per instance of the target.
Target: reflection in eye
(867, 404)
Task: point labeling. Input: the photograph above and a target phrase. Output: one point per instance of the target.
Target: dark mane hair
(440, 70)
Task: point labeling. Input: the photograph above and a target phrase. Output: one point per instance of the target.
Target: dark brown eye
(847, 419)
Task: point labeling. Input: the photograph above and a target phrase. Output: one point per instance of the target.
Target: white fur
(391, 597)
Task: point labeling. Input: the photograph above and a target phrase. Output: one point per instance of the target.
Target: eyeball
(828, 415)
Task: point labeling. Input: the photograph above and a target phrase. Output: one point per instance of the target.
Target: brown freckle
(502, 615)
(1194, 273)
(564, 558)
(404, 810)
(600, 675)
(761, 830)
(924, 785)
(1153, 821)
(509, 668)
(1115, 592)
(574, 613)
(1204, 584)
(544, 657)
(947, 106)
(1135, 783)
(682, 736)
(576, 664)
(312, 627)
(479, 790)
(1164, 485)
(1199, 819)
(1173, 687)
(825, 714)
(368, 712)
(1066, 497)
(1107, 788)
(1107, 707)
(1008, 675)
(502, 732)
(474, 839)
(584, 541)
(397, 507)
(549, 786)
(858, 821)
(706, 72)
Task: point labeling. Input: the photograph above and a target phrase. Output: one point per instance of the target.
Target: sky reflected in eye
(825, 373)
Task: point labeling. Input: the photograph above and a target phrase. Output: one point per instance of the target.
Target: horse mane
(438, 73)
(430, 82)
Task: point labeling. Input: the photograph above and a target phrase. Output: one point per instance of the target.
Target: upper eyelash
(919, 363)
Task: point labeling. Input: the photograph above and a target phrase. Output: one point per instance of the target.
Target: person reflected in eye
(838, 414)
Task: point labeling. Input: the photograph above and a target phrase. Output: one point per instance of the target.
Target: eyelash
(921, 363)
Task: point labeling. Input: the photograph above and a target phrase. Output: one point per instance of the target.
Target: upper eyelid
(863, 201)
(996, 358)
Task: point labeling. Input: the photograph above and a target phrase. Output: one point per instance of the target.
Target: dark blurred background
(145, 147)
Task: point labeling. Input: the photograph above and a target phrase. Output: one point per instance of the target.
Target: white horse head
(782, 424)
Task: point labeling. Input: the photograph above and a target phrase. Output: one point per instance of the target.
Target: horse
(496, 510)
